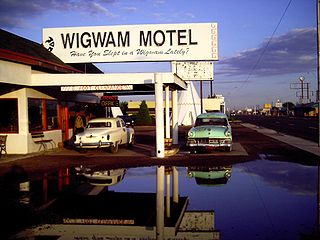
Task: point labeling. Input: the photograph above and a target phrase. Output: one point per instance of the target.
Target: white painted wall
(15, 73)
(22, 142)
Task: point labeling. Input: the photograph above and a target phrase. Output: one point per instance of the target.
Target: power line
(267, 45)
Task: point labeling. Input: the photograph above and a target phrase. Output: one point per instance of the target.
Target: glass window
(35, 115)
(52, 114)
(122, 123)
(99, 125)
(9, 115)
(43, 114)
(211, 121)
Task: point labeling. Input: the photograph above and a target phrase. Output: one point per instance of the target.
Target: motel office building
(26, 109)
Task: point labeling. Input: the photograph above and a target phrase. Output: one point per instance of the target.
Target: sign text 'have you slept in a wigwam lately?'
(159, 42)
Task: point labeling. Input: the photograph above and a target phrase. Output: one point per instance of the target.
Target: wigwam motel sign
(134, 43)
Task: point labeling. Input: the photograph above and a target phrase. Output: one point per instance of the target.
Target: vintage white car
(104, 133)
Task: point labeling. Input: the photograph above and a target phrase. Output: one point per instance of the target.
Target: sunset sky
(264, 45)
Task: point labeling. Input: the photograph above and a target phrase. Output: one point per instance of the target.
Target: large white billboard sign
(193, 70)
(134, 43)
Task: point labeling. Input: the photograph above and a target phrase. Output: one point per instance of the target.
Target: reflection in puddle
(254, 200)
(210, 176)
(101, 177)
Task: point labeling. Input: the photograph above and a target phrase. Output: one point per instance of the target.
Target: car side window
(118, 124)
(122, 123)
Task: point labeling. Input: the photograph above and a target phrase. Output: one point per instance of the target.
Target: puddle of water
(254, 200)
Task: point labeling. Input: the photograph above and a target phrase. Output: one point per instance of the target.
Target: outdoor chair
(3, 142)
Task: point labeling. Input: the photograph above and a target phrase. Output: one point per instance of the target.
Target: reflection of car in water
(210, 175)
(102, 177)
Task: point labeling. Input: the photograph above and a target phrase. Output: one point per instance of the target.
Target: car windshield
(211, 121)
(99, 125)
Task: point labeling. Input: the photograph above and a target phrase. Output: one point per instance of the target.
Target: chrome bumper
(93, 145)
(209, 142)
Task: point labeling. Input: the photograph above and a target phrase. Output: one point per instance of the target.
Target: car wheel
(228, 149)
(114, 148)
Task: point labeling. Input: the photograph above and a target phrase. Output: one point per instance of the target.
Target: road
(306, 128)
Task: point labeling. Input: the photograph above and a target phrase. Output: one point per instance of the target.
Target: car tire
(114, 148)
(228, 149)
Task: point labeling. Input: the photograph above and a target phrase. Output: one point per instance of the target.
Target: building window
(43, 114)
(9, 116)
(52, 114)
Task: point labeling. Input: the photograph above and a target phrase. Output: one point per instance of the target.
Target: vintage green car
(211, 130)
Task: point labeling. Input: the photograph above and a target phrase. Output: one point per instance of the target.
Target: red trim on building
(33, 61)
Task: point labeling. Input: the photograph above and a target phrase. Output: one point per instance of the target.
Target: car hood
(94, 132)
(209, 131)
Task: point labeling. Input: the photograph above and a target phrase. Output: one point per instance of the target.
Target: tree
(288, 105)
(143, 117)
(124, 107)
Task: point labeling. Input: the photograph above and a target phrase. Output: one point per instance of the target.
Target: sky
(264, 45)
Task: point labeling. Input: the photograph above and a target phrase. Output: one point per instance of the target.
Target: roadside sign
(109, 103)
(134, 43)
(194, 70)
(84, 88)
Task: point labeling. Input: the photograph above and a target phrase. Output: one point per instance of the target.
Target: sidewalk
(300, 143)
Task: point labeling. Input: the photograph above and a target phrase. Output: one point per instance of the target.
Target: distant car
(211, 130)
(128, 120)
(104, 133)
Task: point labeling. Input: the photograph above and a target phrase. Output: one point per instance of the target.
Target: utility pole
(303, 91)
(318, 65)
(318, 99)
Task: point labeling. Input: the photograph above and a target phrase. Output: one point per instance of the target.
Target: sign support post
(159, 115)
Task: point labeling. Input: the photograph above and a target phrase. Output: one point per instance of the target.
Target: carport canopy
(142, 83)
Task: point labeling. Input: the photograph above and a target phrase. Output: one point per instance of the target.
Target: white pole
(167, 112)
(175, 187)
(175, 117)
(160, 204)
(168, 195)
(159, 115)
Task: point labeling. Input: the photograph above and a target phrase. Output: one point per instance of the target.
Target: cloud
(295, 178)
(130, 9)
(293, 52)
(14, 12)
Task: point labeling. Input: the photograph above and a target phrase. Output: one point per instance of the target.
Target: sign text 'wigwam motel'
(134, 43)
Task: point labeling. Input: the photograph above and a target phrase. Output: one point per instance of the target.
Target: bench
(38, 138)
(3, 144)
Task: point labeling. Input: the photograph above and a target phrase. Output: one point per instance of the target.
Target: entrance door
(64, 120)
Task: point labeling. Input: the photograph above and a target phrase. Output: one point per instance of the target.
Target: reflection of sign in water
(89, 221)
(156, 42)
(193, 70)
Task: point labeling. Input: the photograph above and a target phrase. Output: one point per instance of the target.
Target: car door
(124, 136)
